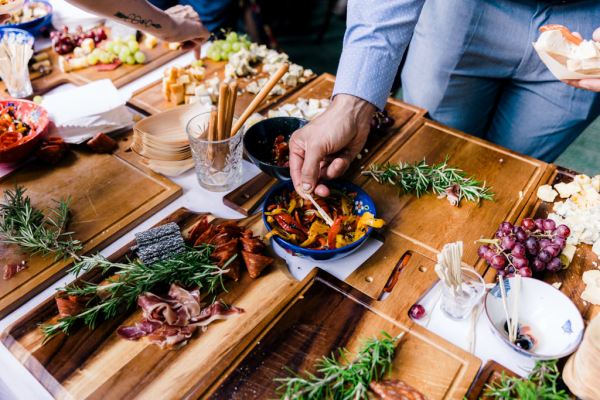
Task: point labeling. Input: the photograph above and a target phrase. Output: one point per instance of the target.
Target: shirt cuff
(367, 73)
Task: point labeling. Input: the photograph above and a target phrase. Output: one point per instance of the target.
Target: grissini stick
(264, 92)
(231, 108)
(222, 107)
(212, 127)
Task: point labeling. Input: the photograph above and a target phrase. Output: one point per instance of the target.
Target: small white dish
(554, 321)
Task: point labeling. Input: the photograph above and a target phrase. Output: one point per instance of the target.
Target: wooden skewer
(264, 92)
(231, 108)
(212, 133)
(321, 212)
(223, 95)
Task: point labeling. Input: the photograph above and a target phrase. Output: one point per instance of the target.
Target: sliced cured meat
(255, 263)
(395, 389)
(234, 270)
(214, 312)
(201, 226)
(139, 330)
(11, 270)
(253, 245)
(69, 305)
(205, 236)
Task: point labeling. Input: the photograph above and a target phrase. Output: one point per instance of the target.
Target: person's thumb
(311, 168)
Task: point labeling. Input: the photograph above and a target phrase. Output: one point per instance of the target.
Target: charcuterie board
(246, 197)
(92, 364)
(490, 374)
(102, 208)
(570, 279)
(329, 314)
(150, 99)
(120, 76)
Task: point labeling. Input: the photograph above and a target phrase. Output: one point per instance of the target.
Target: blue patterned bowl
(35, 26)
(362, 203)
(554, 321)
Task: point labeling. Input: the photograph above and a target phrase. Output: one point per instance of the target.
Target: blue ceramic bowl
(36, 26)
(362, 203)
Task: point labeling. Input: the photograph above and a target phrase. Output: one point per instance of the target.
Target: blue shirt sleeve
(377, 34)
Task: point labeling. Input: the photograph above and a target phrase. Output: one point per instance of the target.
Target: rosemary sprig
(542, 383)
(342, 378)
(420, 178)
(129, 280)
(24, 225)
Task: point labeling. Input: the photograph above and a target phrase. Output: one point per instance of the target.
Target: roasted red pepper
(288, 224)
(335, 230)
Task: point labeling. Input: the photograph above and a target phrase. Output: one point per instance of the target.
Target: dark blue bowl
(36, 26)
(362, 203)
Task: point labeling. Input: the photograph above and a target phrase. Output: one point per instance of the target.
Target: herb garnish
(420, 178)
(24, 225)
(342, 378)
(119, 293)
(542, 383)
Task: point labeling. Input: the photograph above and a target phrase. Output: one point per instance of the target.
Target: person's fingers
(311, 167)
(590, 84)
(322, 190)
(337, 167)
(296, 161)
(596, 35)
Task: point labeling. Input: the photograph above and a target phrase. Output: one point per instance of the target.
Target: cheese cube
(591, 293)
(566, 190)
(150, 41)
(166, 89)
(184, 78)
(177, 93)
(190, 89)
(582, 179)
(546, 193)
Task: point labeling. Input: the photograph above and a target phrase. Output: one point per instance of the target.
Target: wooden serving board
(150, 99)
(103, 206)
(98, 364)
(425, 224)
(247, 197)
(571, 283)
(490, 374)
(329, 314)
(120, 76)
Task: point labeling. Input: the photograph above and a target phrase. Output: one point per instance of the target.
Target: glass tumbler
(218, 163)
(458, 304)
(15, 73)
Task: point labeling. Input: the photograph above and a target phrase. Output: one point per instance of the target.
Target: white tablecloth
(17, 383)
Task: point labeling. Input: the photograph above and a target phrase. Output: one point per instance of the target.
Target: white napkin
(559, 70)
(81, 112)
(341, 268)
(65, 14)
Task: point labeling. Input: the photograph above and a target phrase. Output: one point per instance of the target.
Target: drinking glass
(219, 162)
(458, 304)
(15, 70)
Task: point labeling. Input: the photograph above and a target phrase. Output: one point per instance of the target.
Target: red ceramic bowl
(33, 115)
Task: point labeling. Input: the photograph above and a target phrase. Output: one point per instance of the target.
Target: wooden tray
(150, 100)
(121, 76)
(98, 364)
(103, 208)
(425, 224)
(329, 314)
(572, 284)
(246, 198)
(489, 374)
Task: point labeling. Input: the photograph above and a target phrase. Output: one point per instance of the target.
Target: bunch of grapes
(126, 49)
(220, 50)
(534, 246)
(65, 42)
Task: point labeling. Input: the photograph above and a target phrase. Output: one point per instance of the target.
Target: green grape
(133, 46)
(117, 39)
(92, 59)
(105, 58)
(197, 63)
(124, 53)
(110, 46)
(139, 57)
(226, 47)
(236, 47)
(117, 48)
(129, 60)
(130, 38)
(213, 54)
(37, 99)
(232, 37)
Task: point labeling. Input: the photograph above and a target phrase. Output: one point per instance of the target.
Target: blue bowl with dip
(37, 25)
(546, 315)
(362, 203)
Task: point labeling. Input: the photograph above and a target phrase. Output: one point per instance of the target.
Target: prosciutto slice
(11, 270)
(171, 320)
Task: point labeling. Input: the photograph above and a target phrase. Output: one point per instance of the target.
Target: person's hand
(587, 84)
(186, 25)
(325, 147)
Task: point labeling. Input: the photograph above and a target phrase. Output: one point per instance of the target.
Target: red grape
(506, 227)
(528, 224)
(482, 250)
(563, 231)
(520, 262)
(538, 265)
(519, 250)
(525, 272)
(498, 261)
(539, 224)
(554, 265)
(544, 256)
(507, 243)
(549, 225)
(521, 235)
(544, 243)
(532, 245)
(553, 249)
(417, 311)
(559, 241)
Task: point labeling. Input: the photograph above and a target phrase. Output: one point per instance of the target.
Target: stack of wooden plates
(162, 140)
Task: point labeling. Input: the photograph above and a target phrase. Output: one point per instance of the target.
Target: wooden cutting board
(571, 283)
(425, 224)
(100, 365)
(120, 76)
(150, 100)
(490, 374)
(109, 196)
(329, 314)
(246, 198)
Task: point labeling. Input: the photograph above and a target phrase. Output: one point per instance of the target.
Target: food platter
(92, 364)
(101, 207)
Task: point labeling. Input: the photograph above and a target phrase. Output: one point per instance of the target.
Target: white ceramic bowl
(555, 322)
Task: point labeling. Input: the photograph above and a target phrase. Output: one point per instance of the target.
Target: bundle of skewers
(16, 49)
(448, 267)
(511, 311)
